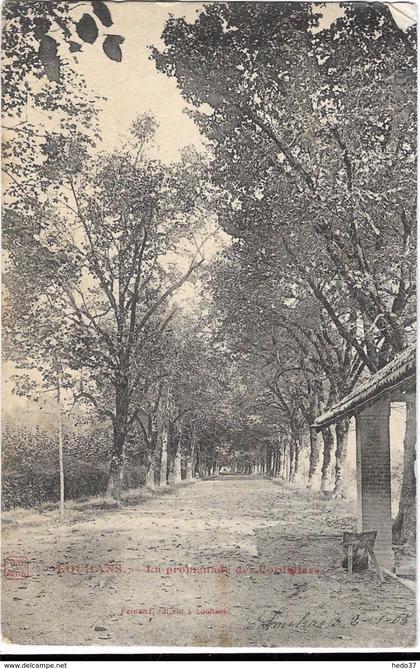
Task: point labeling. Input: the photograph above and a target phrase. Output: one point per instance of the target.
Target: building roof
(391, 377)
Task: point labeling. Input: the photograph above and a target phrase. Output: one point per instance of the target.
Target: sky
(134, 86)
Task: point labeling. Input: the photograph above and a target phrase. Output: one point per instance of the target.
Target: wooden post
(60, 447)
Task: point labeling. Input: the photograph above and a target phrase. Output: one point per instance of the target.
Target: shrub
(31, 467)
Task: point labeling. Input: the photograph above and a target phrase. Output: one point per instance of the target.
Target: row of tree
(96, 249)
(313, 140)
(310, 170)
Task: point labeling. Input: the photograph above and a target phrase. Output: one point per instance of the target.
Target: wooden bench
(353, 541)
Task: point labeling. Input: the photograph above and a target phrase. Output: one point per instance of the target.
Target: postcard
(209, 325)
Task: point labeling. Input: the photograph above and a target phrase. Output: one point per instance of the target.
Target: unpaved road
(231, 525)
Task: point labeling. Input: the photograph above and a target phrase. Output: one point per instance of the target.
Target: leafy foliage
(100, 276)
(34, 33)
(302, 122)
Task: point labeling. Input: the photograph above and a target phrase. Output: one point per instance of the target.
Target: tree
(45, 105)
(103, 265)
(314, 128)
(271, 318)
(44, 97)
(200, 381)
(291, 128)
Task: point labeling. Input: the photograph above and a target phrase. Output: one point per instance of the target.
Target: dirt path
(235, 526)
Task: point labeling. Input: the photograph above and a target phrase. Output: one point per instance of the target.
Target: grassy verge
(83, 509)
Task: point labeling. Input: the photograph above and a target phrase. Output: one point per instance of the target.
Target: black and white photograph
(208, 326)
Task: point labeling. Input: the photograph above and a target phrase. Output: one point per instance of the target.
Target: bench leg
(376, 563)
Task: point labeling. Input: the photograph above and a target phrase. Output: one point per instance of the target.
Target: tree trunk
(296, 467)
(291, 460)
(269, 471)
(280, 457)
(150, 470)
(175, 475)
(190, 456)
(341, 433)
(189, 468)
(313, 454)
(197, 468)
(114, 488)
(152, 451)
(314, 437)
(202, 466)
(404, 526)
(274, 462)
(328, 440)
(286, 458)
(163, 438)
(275, 465)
